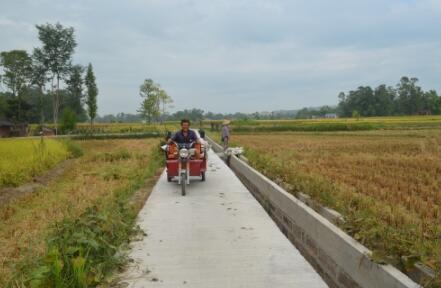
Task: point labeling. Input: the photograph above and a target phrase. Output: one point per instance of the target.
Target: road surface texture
(216, 236)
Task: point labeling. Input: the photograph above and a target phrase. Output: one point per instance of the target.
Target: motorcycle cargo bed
(196, 167)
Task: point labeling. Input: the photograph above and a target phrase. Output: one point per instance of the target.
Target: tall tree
(432, 102)
(75, 95)
(384, 98)
(410, 96)
(165, 100)
(149, 92)
(3, 106)
(58, 45)
(39, 79)
(17, 67)
(92, 93)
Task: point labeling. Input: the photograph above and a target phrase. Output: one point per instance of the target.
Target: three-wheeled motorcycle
(185, 160)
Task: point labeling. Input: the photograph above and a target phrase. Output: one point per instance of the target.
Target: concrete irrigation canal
(216, 236)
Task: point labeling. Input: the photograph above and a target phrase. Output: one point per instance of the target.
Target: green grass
(22, 159)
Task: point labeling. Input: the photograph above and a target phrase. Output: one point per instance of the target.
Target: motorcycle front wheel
(183, 183)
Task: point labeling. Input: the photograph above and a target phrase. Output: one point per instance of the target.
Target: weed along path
(216, 236)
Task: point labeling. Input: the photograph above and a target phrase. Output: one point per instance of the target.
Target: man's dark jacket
(190, 136)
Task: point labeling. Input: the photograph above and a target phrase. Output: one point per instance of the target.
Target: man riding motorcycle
(186, 145)
(185, 135)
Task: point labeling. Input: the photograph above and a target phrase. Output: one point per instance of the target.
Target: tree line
(406, 98)
(33, 81)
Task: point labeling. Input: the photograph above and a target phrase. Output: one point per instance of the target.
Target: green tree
(410, 96)
(407, 99)
(192, 114)
(343, 107)
(92, 93)
(149, 92)
(356, 114)
(17, 67)
(384, 98)
(3, 106)
(68, 120)
(58, 45)
(165, 100)
(366, 102)
(15, 104)
(432, 102)
(75, 95)
(39, 78)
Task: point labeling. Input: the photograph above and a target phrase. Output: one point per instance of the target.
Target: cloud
(242, 55)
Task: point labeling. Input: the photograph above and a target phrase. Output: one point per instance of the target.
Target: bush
(82, 251)
(74, 149)
(68, 121)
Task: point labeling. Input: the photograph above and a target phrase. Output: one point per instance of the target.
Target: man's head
(185, 124)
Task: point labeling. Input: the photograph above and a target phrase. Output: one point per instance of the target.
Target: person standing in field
(225, 136)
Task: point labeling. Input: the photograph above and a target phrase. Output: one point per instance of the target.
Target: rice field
(339, 124)
(387, 184)
(107, 168)
(109, 128)
(22, 159)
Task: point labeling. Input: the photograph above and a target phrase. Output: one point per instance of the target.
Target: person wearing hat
(225, 135)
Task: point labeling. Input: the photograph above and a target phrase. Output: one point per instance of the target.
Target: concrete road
(216, 236)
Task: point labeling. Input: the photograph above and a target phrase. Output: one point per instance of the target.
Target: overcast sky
(227, 56)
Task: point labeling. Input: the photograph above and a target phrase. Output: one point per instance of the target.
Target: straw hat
(226, 122)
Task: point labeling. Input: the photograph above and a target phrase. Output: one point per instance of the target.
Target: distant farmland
(339, 124)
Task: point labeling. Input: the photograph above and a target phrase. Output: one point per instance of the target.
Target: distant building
(6, 128)
(331, 116)
(47, 132)
(20, 130)
(425, 112)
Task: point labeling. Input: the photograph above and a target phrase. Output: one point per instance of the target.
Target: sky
(239, 55)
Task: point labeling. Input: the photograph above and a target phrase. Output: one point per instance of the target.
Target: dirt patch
(7, 194)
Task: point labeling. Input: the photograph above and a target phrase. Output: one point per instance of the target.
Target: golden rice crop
(22, 159)
(385, 183)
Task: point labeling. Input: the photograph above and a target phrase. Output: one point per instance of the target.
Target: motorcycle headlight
(183, 153)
